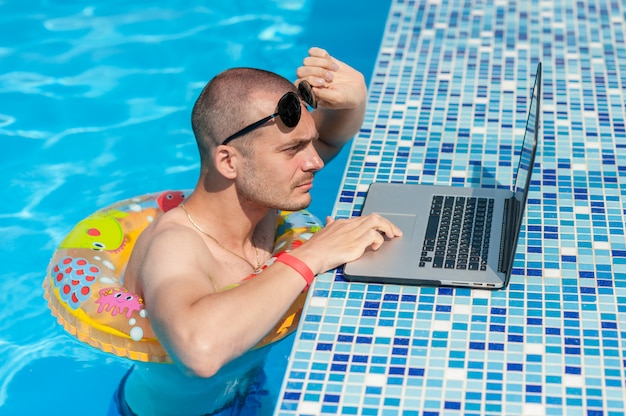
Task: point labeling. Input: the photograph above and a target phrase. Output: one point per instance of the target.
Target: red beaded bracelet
(298, 265)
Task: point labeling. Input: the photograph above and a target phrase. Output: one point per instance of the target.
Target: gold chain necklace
(197, 227)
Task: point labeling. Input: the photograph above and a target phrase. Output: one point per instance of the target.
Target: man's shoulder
(168, 246)
(170, 231)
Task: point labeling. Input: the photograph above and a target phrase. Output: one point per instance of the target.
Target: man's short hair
(224, 104)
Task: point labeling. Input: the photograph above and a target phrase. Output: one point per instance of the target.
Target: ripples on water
(95, 102)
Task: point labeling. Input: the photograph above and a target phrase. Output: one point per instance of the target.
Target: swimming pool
(94, 107)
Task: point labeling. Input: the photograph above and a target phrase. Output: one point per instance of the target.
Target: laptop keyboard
(458, 233)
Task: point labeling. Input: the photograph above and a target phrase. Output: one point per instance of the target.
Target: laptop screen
(529, 146)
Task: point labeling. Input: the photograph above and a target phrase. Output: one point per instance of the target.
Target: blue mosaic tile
(447, 105)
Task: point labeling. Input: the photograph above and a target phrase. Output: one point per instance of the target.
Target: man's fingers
(325, 63)
(383, 225)
(318, 52)
(318, 71)
(392, 230)
(377, 240)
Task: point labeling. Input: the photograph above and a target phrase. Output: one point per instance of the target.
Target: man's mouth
(305, 185)
(308, 184)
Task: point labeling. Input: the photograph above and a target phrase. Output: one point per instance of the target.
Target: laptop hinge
(507, 240)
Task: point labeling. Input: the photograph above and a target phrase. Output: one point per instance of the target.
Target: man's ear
(227, 160)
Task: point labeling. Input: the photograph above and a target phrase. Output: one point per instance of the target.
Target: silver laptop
(452, 236)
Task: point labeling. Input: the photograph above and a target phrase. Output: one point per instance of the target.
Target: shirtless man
(225, 231)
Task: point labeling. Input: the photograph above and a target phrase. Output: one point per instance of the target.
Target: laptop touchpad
(406, 222)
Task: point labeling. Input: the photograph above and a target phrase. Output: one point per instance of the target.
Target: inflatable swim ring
(84, 283)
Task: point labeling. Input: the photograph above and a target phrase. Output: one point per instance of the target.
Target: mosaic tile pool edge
(447, 105)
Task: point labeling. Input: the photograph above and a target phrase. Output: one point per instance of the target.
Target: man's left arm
(341, 98)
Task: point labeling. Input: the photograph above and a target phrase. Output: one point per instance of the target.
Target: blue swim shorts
(243, 405)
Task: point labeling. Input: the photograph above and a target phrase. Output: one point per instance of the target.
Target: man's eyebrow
(301, 140)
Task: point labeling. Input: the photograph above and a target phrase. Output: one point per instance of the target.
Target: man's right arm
(202, 328)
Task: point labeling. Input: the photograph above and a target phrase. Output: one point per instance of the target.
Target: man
(256, 157)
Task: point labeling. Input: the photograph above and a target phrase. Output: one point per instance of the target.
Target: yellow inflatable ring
(84, 287)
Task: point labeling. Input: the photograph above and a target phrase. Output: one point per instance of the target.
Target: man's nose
(313, 162)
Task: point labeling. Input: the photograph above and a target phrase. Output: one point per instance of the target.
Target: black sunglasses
(288, 109)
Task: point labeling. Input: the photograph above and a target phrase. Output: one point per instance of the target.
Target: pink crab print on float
(116, 299)
(170, 199)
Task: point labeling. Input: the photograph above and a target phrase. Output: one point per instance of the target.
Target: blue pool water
(95, 100)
